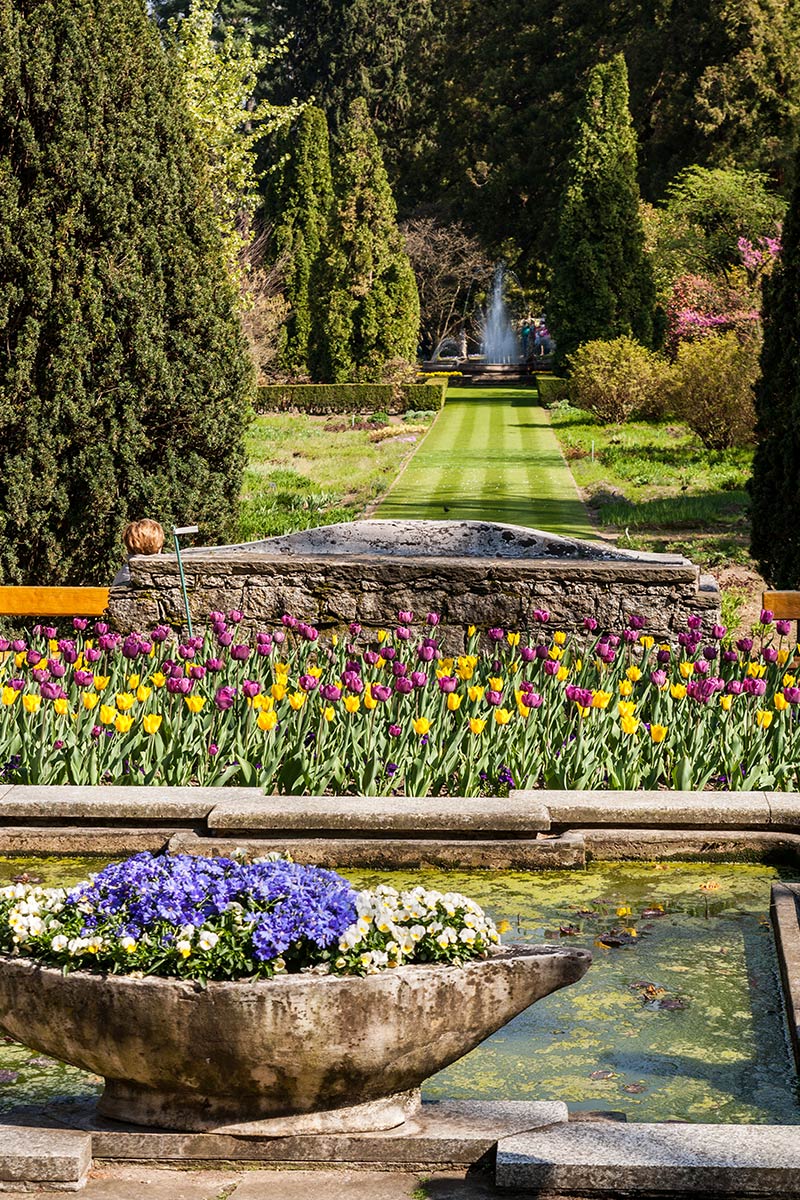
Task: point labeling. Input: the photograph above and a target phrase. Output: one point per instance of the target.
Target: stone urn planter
(296, 1054)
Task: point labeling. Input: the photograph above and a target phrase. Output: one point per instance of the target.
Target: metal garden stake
(176, 533)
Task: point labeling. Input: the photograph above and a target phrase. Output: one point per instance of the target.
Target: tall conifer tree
(775, 486)
(124, 377)
(602, 281)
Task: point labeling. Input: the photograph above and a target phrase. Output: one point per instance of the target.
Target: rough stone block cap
(55, 1156)
(383, 814)
(701, 1160)
(704, 810)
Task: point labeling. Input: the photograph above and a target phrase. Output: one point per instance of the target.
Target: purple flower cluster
(283, 902)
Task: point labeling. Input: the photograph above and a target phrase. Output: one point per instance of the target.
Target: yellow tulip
(471, 631)
(634, 674)
(278, 691)
(781, 703)
(677, 691)
(686, 669)
(9, 695)
(502, 716)
(260, 701)
(152, 722)
(600, 699)
(583, 709)
(421, 726)
(453, 702)
(725, 703)
(783, 656)
(107, 714)
(555, 652)
(61, 706)
(100, 682)
(629, 724)
(31, 703)
(143, 693)
(447, 665)
(756, 670)
(352, 704)
(380, 664)
(465, 672)
(579, 665)
(382, 635)
(53, 648)
(523, 710)
(476, 692)
(133, 682)
(19, 658)
(123, 723)
(370, 702)
(125, 701)
(158, 680)
(267, 721)
(788, 680)
(647, 641)
(562, 673)
(297, 700)
(764, 718)
(496, 682)
(477, 724)
(658, 732)
(195, 704)
(626, 708)
(625, 687)
(513, 639)
(315, 671)
(328, 713)
(559, 637)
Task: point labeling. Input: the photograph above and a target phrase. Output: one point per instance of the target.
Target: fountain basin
(295, 1054)
(471, 572)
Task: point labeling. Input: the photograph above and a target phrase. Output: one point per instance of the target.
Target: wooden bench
(53, 601)
(785, 606)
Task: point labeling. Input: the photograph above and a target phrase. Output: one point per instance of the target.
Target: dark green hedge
(323, 398)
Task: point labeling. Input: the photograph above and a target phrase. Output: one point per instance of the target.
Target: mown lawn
(304, 470)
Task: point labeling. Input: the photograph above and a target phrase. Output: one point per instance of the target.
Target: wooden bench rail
(785, 605)
(53, 601)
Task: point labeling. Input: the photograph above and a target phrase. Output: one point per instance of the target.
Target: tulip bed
(289, 711)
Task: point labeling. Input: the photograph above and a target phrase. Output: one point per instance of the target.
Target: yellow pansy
(152, 722)
(477, 724)
(634, 674)
(125, 701)
(453, 702)
(476, 692)
(677, 691)
(502, 716)
(297, 700)
(158, 680)
(61, 706)
(658, 732)
(352, 704)
(764, 718)
(421, 725)
(195, 704)
(31, 703)
(123, 723)
(107, 714)
(600, 699)
(625, 687)
(267, 720)
(143, 693)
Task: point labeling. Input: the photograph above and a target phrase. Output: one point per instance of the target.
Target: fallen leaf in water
(710, 885)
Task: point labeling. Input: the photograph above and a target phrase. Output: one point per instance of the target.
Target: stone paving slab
(737, 810)
(383, 814)
(113, 803)
(447, 1133)
(546, 854)
(784, 809)
(671, 1159)
(79, 840)
(56, 1157)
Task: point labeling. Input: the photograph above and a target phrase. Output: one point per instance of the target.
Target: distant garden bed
(321, 399)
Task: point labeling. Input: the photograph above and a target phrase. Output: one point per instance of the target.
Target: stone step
(58, 1159)
(608, 1159)
(66, 840)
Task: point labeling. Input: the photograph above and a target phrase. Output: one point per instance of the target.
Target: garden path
(491, 456)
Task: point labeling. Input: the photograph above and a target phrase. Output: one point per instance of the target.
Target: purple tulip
(426, 653)
(354, 629)
(216, 616)
(18, 645)
(215, 664)
(579, 695)
(100, 628)
(783, 627)
(719, 631)
(389, 653)
(702, 667)
(745, 645)
(710, 652)
(694, 622)
(83, 679)
(541, 651)
(730, 656)
(279, 636)
(235, 617)
(767, 616)
(308, 683)
(419, 679)
(700, 690)
(493, 697)
(792, 694)
(589, 624)
(663, 656)
(40, 674)
(448, 683)
(197, 672)
(399, 668)
(224, 697)
(380, 692)
(33, 657)
(734, 687)
(541, 615)
(755, 687)
(527, 653)
(769, 655)
(79, 624)
(353, 682)
(403, 633)
(52, 691)
(180, 687)
(533, 700)
(329, 691)
(371, 657)
(496, 634)
(57, 669)
(224, 639)
(251, 688)
(402, 685)
(213, 750)
(395, 731)
(433, 618)
(289, 621)
(405, 616)
(658, 678)
(186, 651)
(630, 635)
(240, 652)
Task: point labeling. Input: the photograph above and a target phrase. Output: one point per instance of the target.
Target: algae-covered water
(683, 1021)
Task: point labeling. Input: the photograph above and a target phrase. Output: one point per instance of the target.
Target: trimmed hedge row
(321, 399)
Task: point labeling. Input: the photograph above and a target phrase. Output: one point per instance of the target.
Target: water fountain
(500, 344)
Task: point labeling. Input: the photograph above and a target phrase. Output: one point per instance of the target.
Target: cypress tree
(372, 295)
(124, 377)
(602, 281)
(775, 485)
(298, 202)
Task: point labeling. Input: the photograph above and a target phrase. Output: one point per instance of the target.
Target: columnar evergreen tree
(602, 281)
(372, 295)
(775, 486)
(124, 378)
(299, 196)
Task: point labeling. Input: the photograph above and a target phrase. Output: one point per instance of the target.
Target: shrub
(617, 379)
(552, 389)
(712, 389)
(324, 398)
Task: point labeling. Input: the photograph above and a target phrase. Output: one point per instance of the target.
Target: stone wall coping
(701, 1160)
(709, 810)
(112, 802)
(30, 1155)
(784, 911)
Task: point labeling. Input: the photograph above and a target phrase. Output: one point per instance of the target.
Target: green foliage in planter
(602, 281)
(124, 377)
(324, 398)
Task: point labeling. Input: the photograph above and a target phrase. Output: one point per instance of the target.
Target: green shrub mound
(124, 376)
(618, 379)
(711, 389)
(321, 399)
